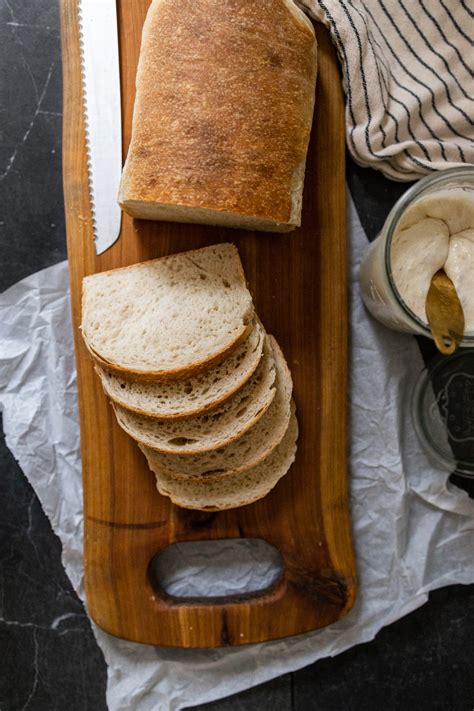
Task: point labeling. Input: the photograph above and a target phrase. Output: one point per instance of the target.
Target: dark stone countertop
(50, 660)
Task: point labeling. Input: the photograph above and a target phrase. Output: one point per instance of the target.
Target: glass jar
(443, 412)
(379, 291)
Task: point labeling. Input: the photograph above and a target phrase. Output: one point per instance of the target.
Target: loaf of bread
(223, 113)
(167, 318)
(192, 376)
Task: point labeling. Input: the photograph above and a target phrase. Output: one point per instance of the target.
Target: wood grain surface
(299, 284)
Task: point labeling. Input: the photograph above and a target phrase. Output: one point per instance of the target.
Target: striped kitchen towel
(408, 79)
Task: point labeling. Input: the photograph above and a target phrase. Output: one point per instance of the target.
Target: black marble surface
(48, 657)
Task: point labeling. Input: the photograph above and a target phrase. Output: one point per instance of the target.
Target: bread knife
(102, 114)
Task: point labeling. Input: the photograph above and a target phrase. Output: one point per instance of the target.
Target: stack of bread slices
(192, 376)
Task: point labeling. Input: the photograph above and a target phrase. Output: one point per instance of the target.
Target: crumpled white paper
(413, 531)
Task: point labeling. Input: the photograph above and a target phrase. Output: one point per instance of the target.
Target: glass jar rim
(391, 223)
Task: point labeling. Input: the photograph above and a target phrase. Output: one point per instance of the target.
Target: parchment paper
(413, 531)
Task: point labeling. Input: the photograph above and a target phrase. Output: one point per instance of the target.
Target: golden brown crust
(193, 146)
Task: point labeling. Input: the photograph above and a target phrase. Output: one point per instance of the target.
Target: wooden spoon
(445, 314)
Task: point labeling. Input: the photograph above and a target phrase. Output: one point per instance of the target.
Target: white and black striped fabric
(408, 79)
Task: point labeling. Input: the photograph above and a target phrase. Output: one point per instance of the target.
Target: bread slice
(215, 429)
(170, 317)
(193, 396)
(239, 490)
(242, 454)
(222, 115)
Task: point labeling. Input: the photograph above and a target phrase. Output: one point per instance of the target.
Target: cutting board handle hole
(221, 568)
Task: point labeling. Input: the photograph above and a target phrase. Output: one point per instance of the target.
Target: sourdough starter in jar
(430, 228)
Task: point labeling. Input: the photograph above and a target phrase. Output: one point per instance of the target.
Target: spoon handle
(445, 314)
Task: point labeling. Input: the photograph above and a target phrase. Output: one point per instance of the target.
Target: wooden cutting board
(299, 284)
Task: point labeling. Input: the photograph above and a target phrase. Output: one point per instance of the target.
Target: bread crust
(223, 110)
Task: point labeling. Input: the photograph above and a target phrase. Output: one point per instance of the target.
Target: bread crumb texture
(169, 313)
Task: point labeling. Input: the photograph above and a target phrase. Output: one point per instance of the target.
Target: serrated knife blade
(102, 111)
